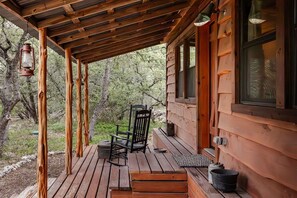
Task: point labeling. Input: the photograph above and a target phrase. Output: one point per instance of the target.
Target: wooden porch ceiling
(98, 29)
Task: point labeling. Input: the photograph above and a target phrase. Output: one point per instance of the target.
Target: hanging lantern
(27, 60)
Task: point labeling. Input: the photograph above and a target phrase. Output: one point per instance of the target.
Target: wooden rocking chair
(134, 140)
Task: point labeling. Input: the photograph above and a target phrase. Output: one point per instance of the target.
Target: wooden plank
(256, 156)
(70, 178)
(225, 64)
(224, 16)
(103, 187)
(109, 44)
(121, 194)
(107, 17)
(159, 177)
(81, 174)
(225, 83)
(225, 46)
(82, 191)
(261, 186)
(114, 177)
(160, 186)
(278, 139)
(79, 143)
(153, 163)
(90, 10)
(46, 6)
(168, 144)
(225, 101)
(95, 182)
(165, 165)
(124, 178)
(225, 29)
(122, 51)
(133, 163)
(173, 163)
(199, 185)
(159, 195)
(42, 158)
(60, 180)
(143, 163)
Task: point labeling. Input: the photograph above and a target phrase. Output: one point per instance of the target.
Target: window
(186, 70)
(258, 53)
(267, 62)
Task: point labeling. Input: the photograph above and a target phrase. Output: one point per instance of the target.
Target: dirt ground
(16, 181)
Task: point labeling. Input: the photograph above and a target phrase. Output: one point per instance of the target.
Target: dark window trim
(288, 115)
(184, 99)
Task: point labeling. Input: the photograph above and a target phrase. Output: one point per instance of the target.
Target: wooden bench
(198, 185)
(156, 175)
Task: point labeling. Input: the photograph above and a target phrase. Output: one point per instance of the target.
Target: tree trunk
(104, 97)
(9, 89)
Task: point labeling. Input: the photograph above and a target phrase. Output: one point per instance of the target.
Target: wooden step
(120, 194)
(160, 186)
(159, 195)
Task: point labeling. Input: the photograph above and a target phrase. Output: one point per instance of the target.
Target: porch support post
(86, 105)
(42, 117)
(79, 149)
(68, 121)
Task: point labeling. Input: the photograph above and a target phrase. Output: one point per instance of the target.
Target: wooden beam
(45, 6)
(84, 12)
(101, 29)
(107, 17)
(68, 9)
(122, 31)
(42, 117)
(68, 117)
(189, 17)
(86, 105)
(120, 52)
(120, 46)
(99, 42)
(116, 45)
(79, 144)
(114, 41)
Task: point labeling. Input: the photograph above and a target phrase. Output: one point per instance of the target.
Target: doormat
(192, 160)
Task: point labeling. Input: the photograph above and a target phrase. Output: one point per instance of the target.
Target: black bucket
(224, 179)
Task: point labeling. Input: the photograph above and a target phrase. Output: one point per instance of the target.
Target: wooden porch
(142, 177)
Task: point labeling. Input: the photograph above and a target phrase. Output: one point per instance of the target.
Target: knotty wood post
(68, 121)
(42, 117)
(79, 149)
(86, 106)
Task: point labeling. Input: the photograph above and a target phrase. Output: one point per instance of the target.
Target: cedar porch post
(68, 121)
(79, 149)
(86, 106)
(42, 117)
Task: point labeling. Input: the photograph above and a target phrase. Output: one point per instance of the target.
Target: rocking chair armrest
(119, 137)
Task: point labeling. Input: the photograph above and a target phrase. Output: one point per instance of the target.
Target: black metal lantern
(27, 60)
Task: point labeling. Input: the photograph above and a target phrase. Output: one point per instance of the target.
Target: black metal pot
(224, 179)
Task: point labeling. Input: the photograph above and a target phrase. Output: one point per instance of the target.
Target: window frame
(284, 109)
(186, 66)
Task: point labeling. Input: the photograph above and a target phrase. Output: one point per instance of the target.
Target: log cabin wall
(264, 151)
(183, 115)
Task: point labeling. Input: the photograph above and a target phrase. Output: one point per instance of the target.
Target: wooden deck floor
(91, 177)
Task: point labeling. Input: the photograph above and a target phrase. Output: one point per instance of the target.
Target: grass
(22, 142)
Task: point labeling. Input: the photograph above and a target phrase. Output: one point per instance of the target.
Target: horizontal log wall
(263, 151)
(181, 114)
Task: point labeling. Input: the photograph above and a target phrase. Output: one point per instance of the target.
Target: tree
(11, 40)
(104, 96)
